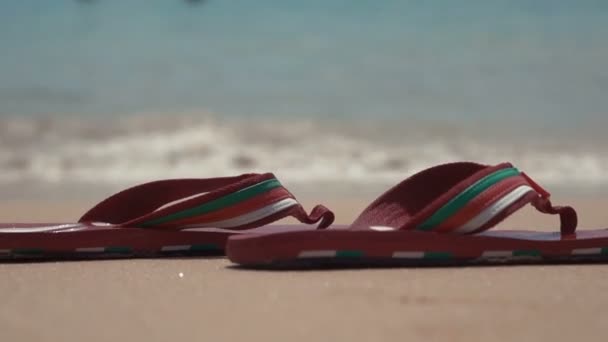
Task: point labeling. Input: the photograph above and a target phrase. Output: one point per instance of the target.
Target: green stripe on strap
(220, 203)
(118, 250)
(349, 254)
(204, 248)
(460, 201)
(437, 255)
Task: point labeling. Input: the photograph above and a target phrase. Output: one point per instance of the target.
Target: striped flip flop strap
(241, 202)
(461, 198)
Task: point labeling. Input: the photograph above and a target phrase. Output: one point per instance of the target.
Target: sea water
(335, 90)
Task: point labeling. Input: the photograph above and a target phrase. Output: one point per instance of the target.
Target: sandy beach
(207, 299)
(340, 100)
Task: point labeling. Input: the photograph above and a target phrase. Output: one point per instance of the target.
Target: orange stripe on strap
(479, 203)
(238, 209)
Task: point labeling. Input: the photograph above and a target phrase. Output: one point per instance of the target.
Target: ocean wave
(138, 149)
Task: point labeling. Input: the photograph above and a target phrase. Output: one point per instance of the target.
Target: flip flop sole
(81, 241)
(109, 243)
(369, 262)
(414, 248)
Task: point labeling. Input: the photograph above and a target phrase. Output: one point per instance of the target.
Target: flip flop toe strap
(567, 215)
(241, 202)
(461, 198)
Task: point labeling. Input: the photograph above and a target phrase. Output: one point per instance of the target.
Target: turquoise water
(319, 92)
(544, 60)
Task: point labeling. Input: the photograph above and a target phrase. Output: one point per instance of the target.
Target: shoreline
(309, 153)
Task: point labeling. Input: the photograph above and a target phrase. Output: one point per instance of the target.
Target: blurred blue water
(514, 59)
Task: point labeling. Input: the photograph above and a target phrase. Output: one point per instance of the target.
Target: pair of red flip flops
(440, 215)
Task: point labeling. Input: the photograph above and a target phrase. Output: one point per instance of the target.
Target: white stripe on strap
(91, 250)
(409, 255)
(175, 248)
(41, 229)
(489, 213)
(586, 251)
(497, 254)
(317, 254)
(249, 217)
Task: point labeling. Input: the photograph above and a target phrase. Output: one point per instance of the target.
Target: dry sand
(148, 300)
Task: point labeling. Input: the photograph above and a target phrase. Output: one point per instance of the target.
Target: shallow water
(302, 151)
(318, 91)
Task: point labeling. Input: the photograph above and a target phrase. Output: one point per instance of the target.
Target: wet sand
(148, 300)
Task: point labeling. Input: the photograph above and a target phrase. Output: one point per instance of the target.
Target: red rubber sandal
(439, 216)
(167, 217)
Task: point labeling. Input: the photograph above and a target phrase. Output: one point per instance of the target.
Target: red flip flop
(440, 215)
(167, 217)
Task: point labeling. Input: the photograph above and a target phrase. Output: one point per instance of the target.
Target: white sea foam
(133, 150)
